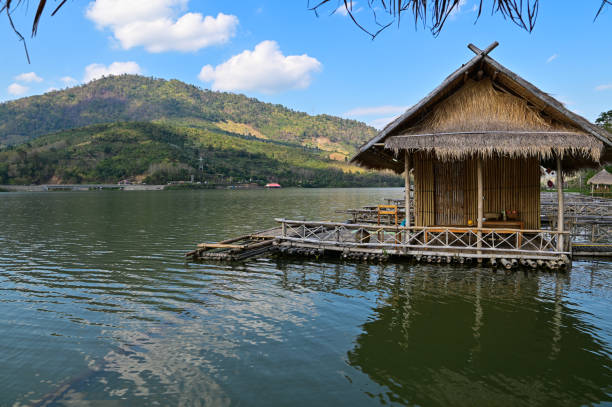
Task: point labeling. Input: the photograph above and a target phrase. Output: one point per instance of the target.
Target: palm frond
(523, 13)
(8, 6)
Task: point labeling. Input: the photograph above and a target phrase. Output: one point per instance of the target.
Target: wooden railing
(586, 221)
(579, 208)
(489, 241)
(595, 232)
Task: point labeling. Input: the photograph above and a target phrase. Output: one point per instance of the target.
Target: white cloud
(28, 77)
(371, 114)
(606, 86)
(265, 69)
(381, 122)
(154, 25)
(375, 110)
(95, 71)
(51, 89)
(341, 10)
(17, 89)
(121, 12)
(455, 11)
(552, 58)
(68, 80)
(191, 32)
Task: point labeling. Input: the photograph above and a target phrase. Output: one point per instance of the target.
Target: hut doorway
(449, 187)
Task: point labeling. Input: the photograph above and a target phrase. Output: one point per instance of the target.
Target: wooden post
(407, 165)
(480, 205)
(559, 204)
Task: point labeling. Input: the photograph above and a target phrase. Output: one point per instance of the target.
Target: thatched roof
(483, 108)
(603, 177)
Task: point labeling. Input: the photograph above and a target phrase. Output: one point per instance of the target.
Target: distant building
(601, 181)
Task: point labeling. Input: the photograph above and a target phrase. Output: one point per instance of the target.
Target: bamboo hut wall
(424, 190)
(513, 184)
(509, 184)
(449, 191)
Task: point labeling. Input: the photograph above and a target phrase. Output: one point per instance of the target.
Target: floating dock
(372, 235)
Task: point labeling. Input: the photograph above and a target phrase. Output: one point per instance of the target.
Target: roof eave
(597, 132)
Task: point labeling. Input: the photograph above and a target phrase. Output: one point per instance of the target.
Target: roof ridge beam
(486, 51)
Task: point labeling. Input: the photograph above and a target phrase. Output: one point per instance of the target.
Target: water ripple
(97, 304)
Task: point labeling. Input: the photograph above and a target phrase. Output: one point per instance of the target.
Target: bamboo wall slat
(449, 187)
(446, 192)
(424, 190)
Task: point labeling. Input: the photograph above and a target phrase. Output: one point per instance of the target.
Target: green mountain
(155, 131)
(129, 98)
(163, 152)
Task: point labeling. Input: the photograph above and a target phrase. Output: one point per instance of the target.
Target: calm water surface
(97, 307)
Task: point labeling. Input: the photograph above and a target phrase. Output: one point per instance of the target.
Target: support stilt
(407, 165)
(480, 205)
(560, 209)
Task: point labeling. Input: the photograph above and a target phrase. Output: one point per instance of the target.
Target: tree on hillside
(605, 120)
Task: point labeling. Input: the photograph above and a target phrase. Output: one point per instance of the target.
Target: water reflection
(456, 338)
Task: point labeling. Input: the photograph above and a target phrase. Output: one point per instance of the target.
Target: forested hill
(128, 98)
(159, 153)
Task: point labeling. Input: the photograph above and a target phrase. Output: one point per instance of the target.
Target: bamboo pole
(559, 204)
(407, 184)
(480, 203)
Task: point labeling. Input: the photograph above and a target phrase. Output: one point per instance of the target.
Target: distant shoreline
(140, 187)
(79, 187)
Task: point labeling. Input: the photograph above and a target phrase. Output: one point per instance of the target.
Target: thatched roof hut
(603, 177)
(483, 108)
(475, 144)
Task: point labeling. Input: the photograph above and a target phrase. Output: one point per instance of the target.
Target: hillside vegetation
(129, 98)
(164, 151)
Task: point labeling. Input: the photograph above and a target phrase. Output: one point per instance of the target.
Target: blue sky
(279, 52)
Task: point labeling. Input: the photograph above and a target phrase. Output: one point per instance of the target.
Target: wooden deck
(531, 248)
(505, 247)
(362, 238)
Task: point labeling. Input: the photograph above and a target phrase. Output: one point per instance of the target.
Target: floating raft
(238, 248)
(592, 249)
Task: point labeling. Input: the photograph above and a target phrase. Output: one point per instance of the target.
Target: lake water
(98, 307)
